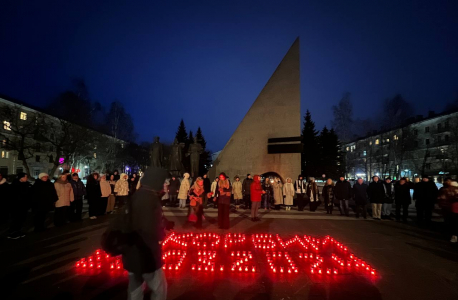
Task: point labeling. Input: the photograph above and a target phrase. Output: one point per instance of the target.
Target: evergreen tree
(181, 134)
(310, 152)
(330, 160)
(205, 157)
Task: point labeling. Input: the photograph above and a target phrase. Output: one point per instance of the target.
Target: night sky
(206, 61)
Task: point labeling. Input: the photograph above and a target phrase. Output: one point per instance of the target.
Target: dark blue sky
(206, 61)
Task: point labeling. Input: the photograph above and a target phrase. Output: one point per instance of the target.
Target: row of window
(7, 124)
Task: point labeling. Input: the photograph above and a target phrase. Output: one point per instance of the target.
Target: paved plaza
(411, 262)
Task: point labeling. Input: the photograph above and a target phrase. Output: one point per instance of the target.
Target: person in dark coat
(376, 193)
(44, 197)
(268, 189)
(328, 195)
(94, 194)
(402, 199)
(79, 191)
(301, 187)
(223, 193)
(207, 189)
(360, 197)
(174, 187)
(116, 175)
(342, 191)
(143, 259)
(4, 199)
(425, 196)
(19, 205)
(389, 198)
(133, 182)
(246, 190)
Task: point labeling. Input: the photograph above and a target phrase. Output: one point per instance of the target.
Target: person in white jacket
(288, 193)
(184, 189)
(213, 190)
(122, 190)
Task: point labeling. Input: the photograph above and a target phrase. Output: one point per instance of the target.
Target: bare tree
(343, 118)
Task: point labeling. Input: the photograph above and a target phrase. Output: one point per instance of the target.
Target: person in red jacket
(256, 193)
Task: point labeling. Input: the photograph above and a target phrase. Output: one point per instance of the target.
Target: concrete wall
(275, 113)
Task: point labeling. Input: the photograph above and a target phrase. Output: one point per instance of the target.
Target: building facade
(30, 135)
(424, 146)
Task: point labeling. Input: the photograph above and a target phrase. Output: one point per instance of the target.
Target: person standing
(402, 199)
(116, 175)
(143, 257)
(376, 193)
(4, 199)
(122, 190)
(425, 195)
(184, 189)
(44, 197)
(133, 183)
(388, 201)
(246, 190)
(166, 197)
(65, 197)
(360, 196)
(237, 191)
(328, 195)
(267, 187)
(94, 195)
(207, 189)
(214, 188)
(277, 188)
(112, 197)
(288, 193)
(448, 202)
(223, 194)
(196, 197)
(300, 187)
(256, 196)
(342, 192)
(174, 187)
(105, 190)
(19, 205)
(312, 194)
(79, 191)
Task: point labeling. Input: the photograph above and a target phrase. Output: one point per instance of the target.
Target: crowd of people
(256, 192)
(142, 202)
(64, 196)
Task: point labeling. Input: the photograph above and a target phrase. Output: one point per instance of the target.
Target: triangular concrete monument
(262, 141)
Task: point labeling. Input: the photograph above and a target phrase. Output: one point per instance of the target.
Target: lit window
(6, 125)
(364, 152)
(4, 143)
(5, 154)
(387, 140)
(23, 116)
(370, 143)
(395, 137)
(95, 155)
(348, 148)
(377, 141)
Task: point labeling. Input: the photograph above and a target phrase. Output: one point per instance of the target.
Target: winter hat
(388, 178)
(21, 175)
(41, 175)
